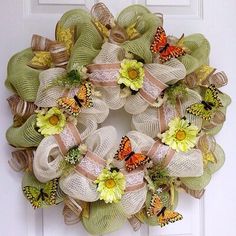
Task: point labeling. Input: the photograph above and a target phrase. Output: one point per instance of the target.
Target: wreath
(64, 88)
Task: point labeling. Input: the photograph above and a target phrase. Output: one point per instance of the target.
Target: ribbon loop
(40, 43)
(101, 13)
(21, 108)
(219, 79)
(135, 223)
(217, 119)
(22, 160)
(71, 211)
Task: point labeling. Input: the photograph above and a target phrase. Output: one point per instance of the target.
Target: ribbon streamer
(22, 160)
(101, 13)
(21, 108)
(57, 52)
(135, 223)
(71, 211)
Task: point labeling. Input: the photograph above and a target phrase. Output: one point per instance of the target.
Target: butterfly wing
(160, 41)
(50, 190)
(155, 206)
(198, 109)
(124, 150)
(169, 216)
(171, 52)
(33, 195)
(165, 50)
(69, 105)
(85, 95)
(136, 160)
(209, 157)
(212, 96)
(212, 99)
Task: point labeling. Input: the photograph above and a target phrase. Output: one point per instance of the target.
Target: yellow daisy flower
(52, 122)
(181, 135)
(111, 185)
(131, 74)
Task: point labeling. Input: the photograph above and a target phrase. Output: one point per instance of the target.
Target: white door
(214, 215)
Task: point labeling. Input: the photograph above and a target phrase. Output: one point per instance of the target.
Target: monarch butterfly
(208, 106)
(83, 98)
(165, 50)
(132, 159)
(164, 216)
(38, 196)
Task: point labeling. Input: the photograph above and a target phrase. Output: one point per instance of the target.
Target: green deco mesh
(147, 24)
(21, 78)
(200, 50)
(26, 135)
(88, 40)
(199, 183)
(104, 218)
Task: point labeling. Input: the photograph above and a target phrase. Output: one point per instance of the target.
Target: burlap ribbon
(167, 112)
(194, 193)
(217, 119)
(91, 166)
(57, 51)
(134, 179)
(22, 160)
(205, 75)
(71, 211)
(68, 138)
(160, 153)
(20, 107)
(105, 75)
(135, 223)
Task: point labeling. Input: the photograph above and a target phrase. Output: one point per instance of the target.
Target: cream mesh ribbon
(178, 164)
(79, 183)
(51, 150)
(106, 75)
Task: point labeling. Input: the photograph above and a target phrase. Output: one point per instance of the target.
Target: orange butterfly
(161, 46)
(132, 159)
(164, 216)
(73, 105)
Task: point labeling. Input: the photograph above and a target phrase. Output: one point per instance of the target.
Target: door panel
(22, 18)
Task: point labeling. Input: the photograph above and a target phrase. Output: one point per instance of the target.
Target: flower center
(53, 120)
(180, 135)
(133, 74)
(110, 183)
